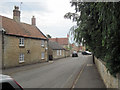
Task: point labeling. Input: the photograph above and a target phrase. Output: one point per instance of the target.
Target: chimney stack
(56, 40)
(16, 14)
(33, 20)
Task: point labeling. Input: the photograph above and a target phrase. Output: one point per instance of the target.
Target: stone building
(55, 51)
(64, 43)
(21, 43)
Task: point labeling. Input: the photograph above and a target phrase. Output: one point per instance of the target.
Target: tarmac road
(59, 74)
(71, 72)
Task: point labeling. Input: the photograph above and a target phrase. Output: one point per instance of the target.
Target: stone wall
(109, 80)
(32, 51)
(67, 53)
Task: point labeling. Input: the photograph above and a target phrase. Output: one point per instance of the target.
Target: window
(7, 86)
(21, 42)
(21, 58)
(57, 52)
(42, 55)
(60, 52)
(42, 43)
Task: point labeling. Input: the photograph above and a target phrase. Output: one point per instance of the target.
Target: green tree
(99, 27)
(48, 36)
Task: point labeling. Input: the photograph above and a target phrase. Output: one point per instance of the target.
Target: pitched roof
(12, 27)
(55, 45)
(62, 41)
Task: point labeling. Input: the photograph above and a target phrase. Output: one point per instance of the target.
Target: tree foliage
(49, 36)
(99, 27)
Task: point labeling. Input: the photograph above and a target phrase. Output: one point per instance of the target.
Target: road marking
(78, 76)
(88, 65)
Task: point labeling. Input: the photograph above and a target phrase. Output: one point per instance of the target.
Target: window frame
(42, 43)
(21, 41)
(43, 55)
(60, 52)
(57, 52)
(21, 58)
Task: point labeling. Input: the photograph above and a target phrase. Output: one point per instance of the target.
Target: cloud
(49, 14)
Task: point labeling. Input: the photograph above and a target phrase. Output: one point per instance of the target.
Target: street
(61, 73)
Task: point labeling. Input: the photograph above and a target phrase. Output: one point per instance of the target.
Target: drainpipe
(2, 44)
(47, 51)
(119, 81)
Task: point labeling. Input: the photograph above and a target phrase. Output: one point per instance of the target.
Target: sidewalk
(89, 77)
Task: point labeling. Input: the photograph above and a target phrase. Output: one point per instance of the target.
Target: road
(58, 74)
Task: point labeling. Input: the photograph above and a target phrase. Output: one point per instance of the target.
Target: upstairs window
(21, 42)
(42, 43)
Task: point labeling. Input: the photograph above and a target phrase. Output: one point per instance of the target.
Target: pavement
(89, 77)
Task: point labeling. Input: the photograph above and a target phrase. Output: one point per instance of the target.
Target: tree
(48, 36)
(99, 27)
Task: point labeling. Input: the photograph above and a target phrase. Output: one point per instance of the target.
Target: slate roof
(62, 41)
(55, 45)
(12, 27)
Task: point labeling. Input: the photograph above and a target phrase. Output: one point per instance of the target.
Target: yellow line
(78, 76)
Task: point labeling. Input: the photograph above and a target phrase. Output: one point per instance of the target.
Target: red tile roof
(62, 41)
(21, 29)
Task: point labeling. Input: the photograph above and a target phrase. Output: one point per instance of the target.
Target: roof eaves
(25, 36)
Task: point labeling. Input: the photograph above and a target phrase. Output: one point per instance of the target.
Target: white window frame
(60, 52)
(57, 52)
(42, 43)
(21, 58)
(21, 42)
(42, 55)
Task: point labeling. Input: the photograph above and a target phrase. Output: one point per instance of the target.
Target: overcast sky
(49, 14)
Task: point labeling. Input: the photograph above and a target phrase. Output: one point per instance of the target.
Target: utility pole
(21, 5)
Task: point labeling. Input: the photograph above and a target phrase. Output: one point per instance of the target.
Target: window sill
(43, 46)
(21, 46)
(21, 62)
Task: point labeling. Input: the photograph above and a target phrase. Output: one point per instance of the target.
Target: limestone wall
(32, 51)
(109, 80)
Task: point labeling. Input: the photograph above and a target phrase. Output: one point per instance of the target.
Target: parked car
(86, 53)
(8, 83)
(74, 54)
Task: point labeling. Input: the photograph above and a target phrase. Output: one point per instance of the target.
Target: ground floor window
(57, 52)
(60, 52)
(21, 58)
(42, 55)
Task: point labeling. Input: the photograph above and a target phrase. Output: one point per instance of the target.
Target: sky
(49, 14)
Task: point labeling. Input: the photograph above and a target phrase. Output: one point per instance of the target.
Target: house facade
(64, 43)
(56, 51)
(21, 43)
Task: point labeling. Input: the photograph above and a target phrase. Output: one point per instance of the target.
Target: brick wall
(12, 51)
(109, 80)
